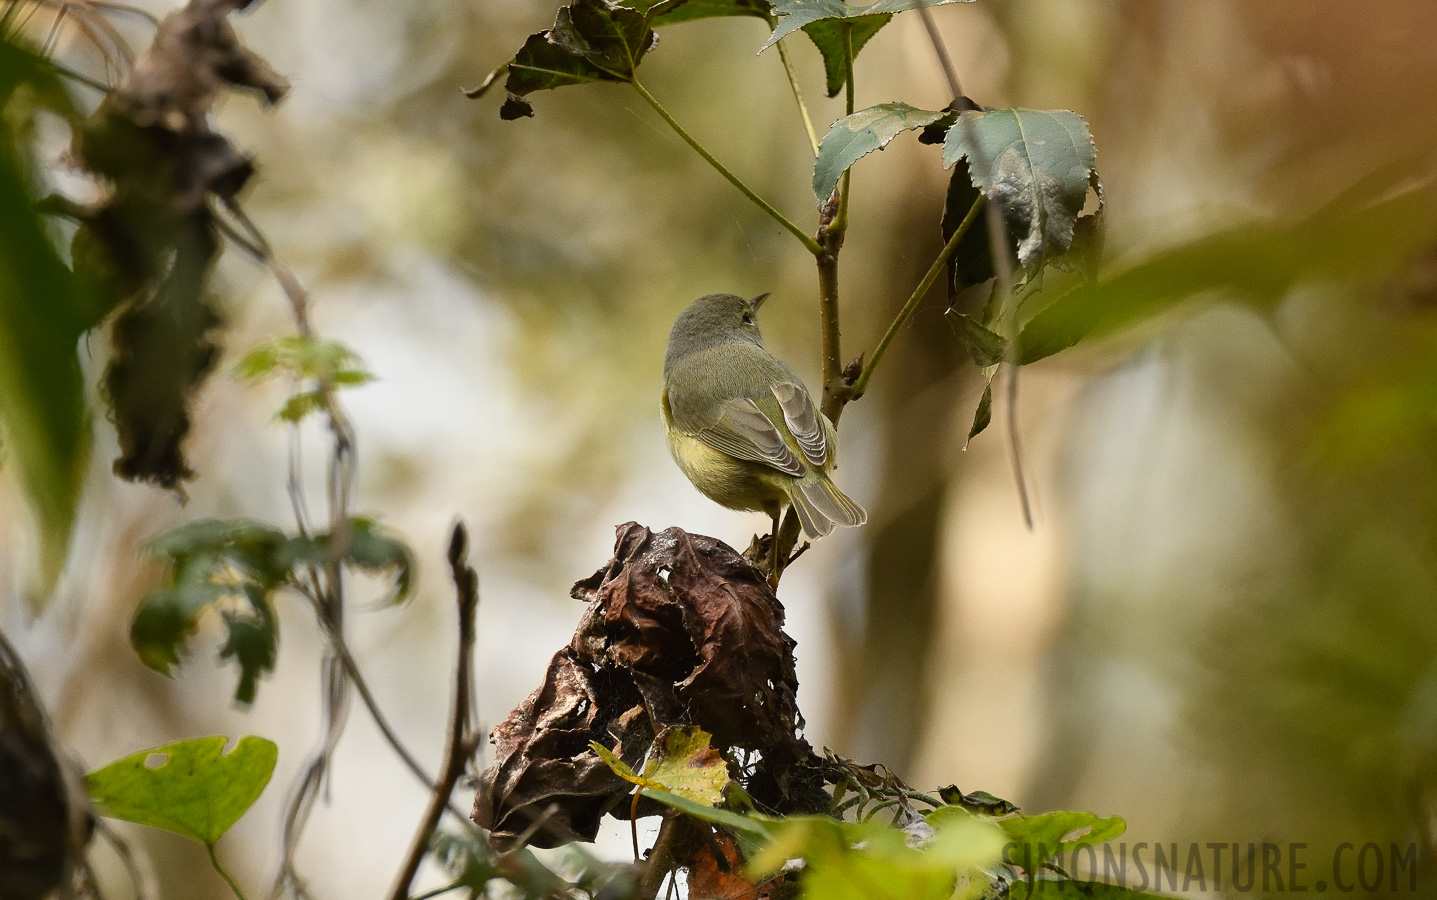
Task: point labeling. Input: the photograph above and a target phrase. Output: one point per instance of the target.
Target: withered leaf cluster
(680, 630)
(148, 247)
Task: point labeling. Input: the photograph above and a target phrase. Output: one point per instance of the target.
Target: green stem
(906, 313)
(807, 241)
(798, 97)
(443, 889)
(229, 879)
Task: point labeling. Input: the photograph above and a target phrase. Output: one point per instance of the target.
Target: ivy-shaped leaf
(1036, 839)
(591, 40)
(1035, 165)
(795, 14)
(853, 137)
(686, 766)
(189, 787)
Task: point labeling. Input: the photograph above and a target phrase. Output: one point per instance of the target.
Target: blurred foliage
(42, 315)
(235, 567)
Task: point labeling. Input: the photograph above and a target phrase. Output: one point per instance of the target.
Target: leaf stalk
(808, 242)
(906, 313)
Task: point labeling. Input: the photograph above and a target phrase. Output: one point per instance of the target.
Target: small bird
(740, 423)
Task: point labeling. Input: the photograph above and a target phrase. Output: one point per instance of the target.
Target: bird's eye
(748, 318)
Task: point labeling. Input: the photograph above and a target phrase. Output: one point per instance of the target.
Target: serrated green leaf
(795, 14)
(188, 787)
(1035, 166)
(590, 40)
(1351, 239)
(42, 405)
(827, 36)
(984, 346)
(853, 137)
(1036, 839)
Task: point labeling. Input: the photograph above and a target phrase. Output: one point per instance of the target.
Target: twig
(950, 73)
(808, 242)
(461, 740)
(904, 314)
(1002, 266)
(798, 97)
(661, 857)
(140, 878)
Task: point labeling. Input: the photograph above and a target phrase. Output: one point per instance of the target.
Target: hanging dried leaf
(149, 245)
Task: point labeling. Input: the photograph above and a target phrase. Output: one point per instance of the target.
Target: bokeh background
(1223, 625)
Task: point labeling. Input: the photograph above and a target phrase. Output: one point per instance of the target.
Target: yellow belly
(730, 482)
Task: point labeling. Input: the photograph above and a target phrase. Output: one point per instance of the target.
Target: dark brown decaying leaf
(716, 873)
(680, 630)
(148, 246)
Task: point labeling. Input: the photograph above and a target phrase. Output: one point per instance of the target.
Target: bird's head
(713, 320)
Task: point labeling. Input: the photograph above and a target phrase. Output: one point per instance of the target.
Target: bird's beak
(756, 302)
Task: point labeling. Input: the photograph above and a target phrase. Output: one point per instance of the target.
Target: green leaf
(972, 260)
(751, 827)
(230, 565)
(464, 858)
(853, 137)
(876, 861)
(42, 403)
(1035, 165)
(303, 358)
(689, 767)
(795, 14)
(1351, 240)
(1055, 888)
(370, 548)
(977, 802)
(591, 40)
(188, 787)
(827, 36)
(1040, 838)
(299, 406)
(983, 415)
(984, 346)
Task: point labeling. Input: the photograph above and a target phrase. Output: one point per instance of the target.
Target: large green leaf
(795, 14)
(1035, 165)
(853, 137)
(41, 319)
(1349, 240)
(188, 787)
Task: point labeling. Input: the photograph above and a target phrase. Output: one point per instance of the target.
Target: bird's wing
(803, 421)
(743, 431)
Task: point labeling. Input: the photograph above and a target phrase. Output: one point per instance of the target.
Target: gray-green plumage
(740, 423)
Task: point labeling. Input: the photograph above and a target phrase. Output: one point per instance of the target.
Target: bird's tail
(821, 505)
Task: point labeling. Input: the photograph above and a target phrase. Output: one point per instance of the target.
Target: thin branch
(461, 739)
(950, 73)
(861, 384)
(798, 97)
(140, 879)
(807, 241)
